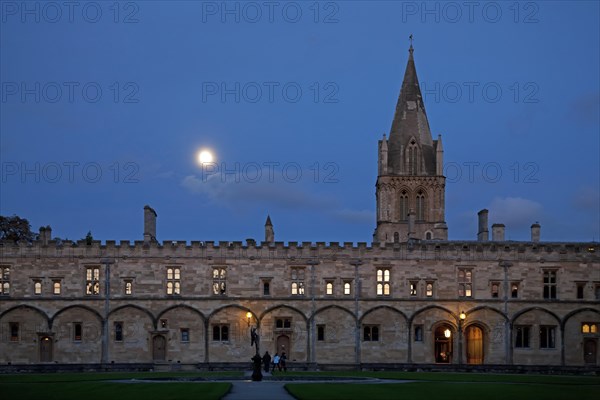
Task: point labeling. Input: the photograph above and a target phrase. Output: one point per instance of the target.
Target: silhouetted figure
(266, 361)
(282, 362)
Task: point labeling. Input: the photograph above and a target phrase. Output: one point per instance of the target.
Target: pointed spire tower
(269, 232)
(410, 180)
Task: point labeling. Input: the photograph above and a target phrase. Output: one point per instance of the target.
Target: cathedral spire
(410, 128)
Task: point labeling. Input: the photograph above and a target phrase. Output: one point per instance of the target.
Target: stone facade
(413, 298)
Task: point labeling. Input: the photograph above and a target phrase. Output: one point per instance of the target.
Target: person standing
(275, 362)
(282, 362)
(267, 361)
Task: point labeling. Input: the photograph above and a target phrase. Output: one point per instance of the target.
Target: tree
(15, 229)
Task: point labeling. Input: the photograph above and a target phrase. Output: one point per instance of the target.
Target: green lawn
(441, 390)
(447, 386)
(100, 386)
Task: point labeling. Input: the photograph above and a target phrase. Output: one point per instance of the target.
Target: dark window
(514, 290)
(547, 337)
(185, 335)
(495, 290)
(371, 333)
(550, 284)
(221, 333)
(118, 331)
(266, 289)
(164, 323)
(418, 333)
(320, 332)
(14, 331)
(77, 331)
(580, 288)
(522, 336)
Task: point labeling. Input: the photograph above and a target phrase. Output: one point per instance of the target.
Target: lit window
(495, 290)
(185, 335)
(589, 327)
(118, 331)
(298, 281)
(347, 288)
(221, 333)
(383, 282)
(92, 281)
(219, 281)
(56, 287)
(413, 288)
(522, 336)
(173, 281)
(547, 337)
(329, 288)
(14, 331)
(549, 284)
(429, 289)
(77, 332)
(37, 287)
(320, 333)
(514, 290)
(371, 333)
(4, 280)
(128, 287)
(465, 282)
(164, 324)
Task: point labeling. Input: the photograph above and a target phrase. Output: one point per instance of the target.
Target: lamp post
(461, 317)
(256, 360)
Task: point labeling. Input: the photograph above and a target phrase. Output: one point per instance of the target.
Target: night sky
(105, 106)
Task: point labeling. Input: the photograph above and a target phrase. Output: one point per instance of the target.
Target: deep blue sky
(162, 76)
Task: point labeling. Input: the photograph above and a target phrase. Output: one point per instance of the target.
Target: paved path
(265, 390)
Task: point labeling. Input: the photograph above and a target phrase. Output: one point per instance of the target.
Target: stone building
(412, 297)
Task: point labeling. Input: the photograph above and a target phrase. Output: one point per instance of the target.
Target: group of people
(278, 362)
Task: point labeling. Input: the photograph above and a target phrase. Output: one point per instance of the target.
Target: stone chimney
(411, 224)
(149, 224)
(483, 233)
(498, 232)
(269, 232)
(43, 237)
(535, 232)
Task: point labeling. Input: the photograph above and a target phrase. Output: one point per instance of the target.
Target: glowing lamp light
(248, 317)
(447, 333)
(462, 316)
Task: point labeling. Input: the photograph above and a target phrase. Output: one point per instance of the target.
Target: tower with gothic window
(410, 183)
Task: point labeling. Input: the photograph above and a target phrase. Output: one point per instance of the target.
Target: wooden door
(474, 336)
(46, 349)
(589, 350)
(159, 350)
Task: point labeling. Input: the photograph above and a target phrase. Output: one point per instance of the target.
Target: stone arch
(576, 341)
(338, 330)
(185, 330)
(142, 309)
(432, 307)
(575, 312)
(67, 308)
(270, 309)
(31, 321)
(294, 336)
(526, 310)
(479, 308)
(136, 324)
(330, 307)
(192, 309)
(21, 306)
(393, 331)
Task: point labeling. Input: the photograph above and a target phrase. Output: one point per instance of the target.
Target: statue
(257, 359)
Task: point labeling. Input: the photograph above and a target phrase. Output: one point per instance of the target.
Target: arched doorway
(45, 349)
(443, 344)
(474, 336)
(283, 345)
(589, 350)
(159, 351)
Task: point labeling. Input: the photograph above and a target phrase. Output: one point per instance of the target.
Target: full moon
(205, 157)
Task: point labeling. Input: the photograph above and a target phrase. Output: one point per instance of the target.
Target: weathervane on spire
(411, 42)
